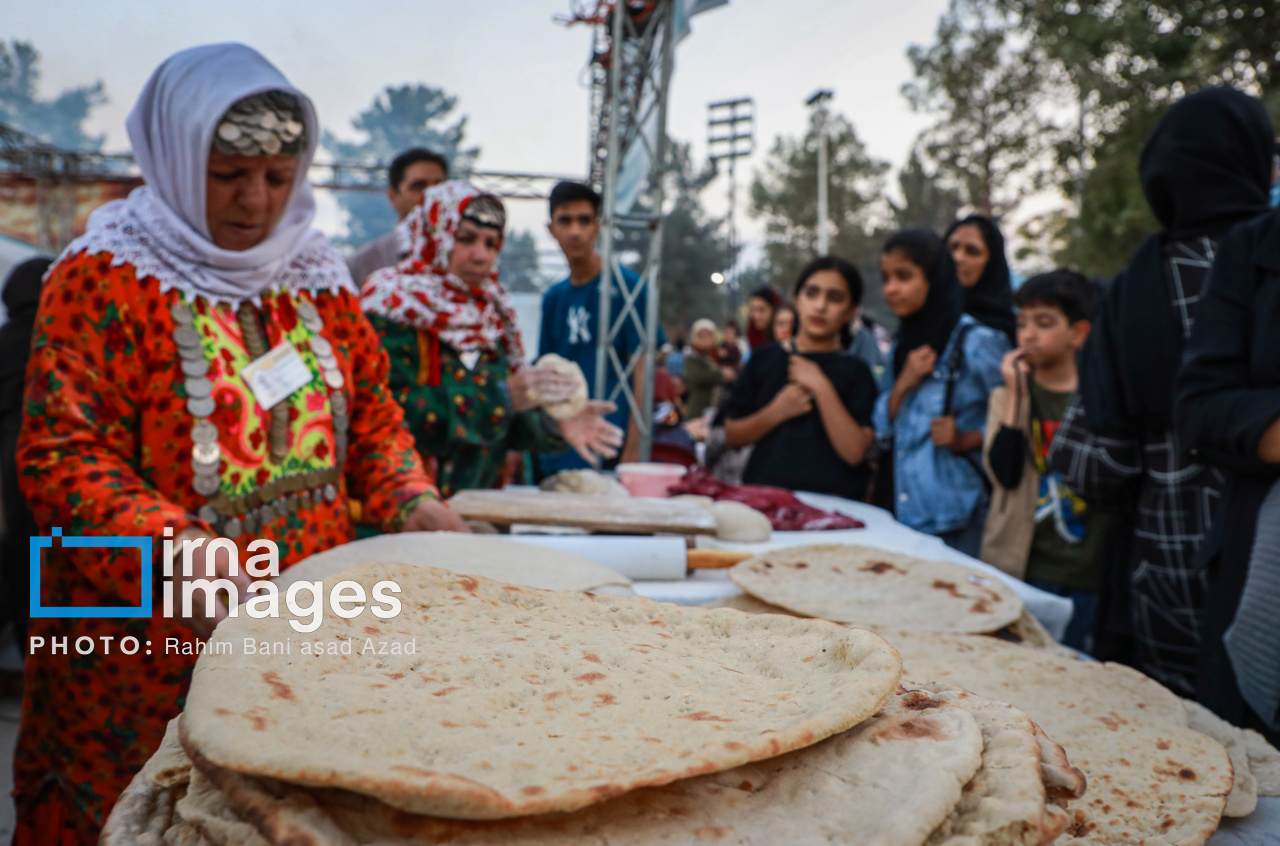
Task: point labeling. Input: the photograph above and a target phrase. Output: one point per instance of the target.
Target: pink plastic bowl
(650, 478)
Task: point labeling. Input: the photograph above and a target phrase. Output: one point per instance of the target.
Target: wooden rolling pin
(716, 559)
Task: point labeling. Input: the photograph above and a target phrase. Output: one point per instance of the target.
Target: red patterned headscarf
(420, 292)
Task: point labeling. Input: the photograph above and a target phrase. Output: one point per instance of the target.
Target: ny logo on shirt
(579, 325)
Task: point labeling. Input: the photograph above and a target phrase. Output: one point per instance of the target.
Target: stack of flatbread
(1160, 770)
(532, 716)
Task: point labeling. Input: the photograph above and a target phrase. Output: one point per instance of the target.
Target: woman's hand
(591, 435)
(432, 515)
(199, 621)
(792, 401)
(919, 364)
(808, 375)
(532, 387)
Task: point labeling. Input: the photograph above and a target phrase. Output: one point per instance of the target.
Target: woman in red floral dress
(143, 415)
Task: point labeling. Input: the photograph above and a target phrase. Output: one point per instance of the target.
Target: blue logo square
(110, 611)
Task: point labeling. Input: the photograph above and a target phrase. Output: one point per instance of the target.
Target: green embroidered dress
(461, 418)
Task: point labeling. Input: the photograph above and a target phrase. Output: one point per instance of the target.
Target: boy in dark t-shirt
(1037, 528)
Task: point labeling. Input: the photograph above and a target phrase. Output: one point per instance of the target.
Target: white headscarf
(162, 228)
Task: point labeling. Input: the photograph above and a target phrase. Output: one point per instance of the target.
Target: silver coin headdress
(266, 124)
(486, 210)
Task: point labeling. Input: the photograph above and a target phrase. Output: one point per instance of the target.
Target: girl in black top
(807, 406)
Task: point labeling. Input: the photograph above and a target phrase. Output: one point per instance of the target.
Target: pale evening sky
(517, 74)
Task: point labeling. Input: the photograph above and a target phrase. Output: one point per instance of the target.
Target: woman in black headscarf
(21, 297)
(977, 248)
(1207, 167)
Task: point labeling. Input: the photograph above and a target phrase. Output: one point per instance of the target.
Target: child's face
(824, 305)
(905, 285)
(1046, 335)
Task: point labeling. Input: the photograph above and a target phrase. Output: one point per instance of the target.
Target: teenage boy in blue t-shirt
(571, 312)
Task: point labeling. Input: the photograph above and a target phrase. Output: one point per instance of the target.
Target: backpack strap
(954, 363)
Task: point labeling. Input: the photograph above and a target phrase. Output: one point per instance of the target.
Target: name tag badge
(276, 375)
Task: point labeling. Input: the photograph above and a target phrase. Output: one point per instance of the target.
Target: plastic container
(650, 478)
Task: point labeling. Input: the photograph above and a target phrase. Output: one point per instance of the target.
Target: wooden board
(633, 516)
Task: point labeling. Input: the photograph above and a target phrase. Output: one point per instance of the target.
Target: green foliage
(926, 204)
(400, 117)
(784, 194)
(991, 91)
(59, 121)
(519, 263)
(1129, 61)
(693, 247)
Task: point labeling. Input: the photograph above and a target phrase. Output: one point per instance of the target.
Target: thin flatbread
(208, 813)
(141, 815)
(1243, 799)
(1005, 803)
(168, 766)
(887, 782)
(520, 701)
(496, 558)
(865, 586)
(1151, 779)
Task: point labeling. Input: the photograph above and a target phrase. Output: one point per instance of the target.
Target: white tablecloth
(1261, 828)
(881, 531)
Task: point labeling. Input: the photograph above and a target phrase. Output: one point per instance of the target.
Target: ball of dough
(577, 401)
(585, 482)
(738, 522)
(700, 501)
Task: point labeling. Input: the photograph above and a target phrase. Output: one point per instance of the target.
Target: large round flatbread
(490, 557)
(577, 401)
(887, 782)
(520, 701)
(1151, 779)
(871, 587)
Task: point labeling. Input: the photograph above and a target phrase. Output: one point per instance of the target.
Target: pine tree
(991, 90)
(784, 194)
(59, 121)
(400, 117)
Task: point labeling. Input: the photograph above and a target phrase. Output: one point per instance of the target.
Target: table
(882, 531)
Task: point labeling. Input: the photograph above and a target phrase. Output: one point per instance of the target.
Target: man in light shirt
(410, 175)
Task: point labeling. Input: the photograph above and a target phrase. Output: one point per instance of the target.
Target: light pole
(818, 102)
(731, 135)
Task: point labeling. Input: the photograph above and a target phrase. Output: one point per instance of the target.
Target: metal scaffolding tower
(631, 75)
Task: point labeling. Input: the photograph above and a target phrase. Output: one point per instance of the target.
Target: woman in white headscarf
(200, 368)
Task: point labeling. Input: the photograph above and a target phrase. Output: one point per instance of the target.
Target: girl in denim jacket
(944, 367)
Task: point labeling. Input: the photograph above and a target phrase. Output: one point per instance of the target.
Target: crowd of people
(1091, 437)
(1115, 444)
